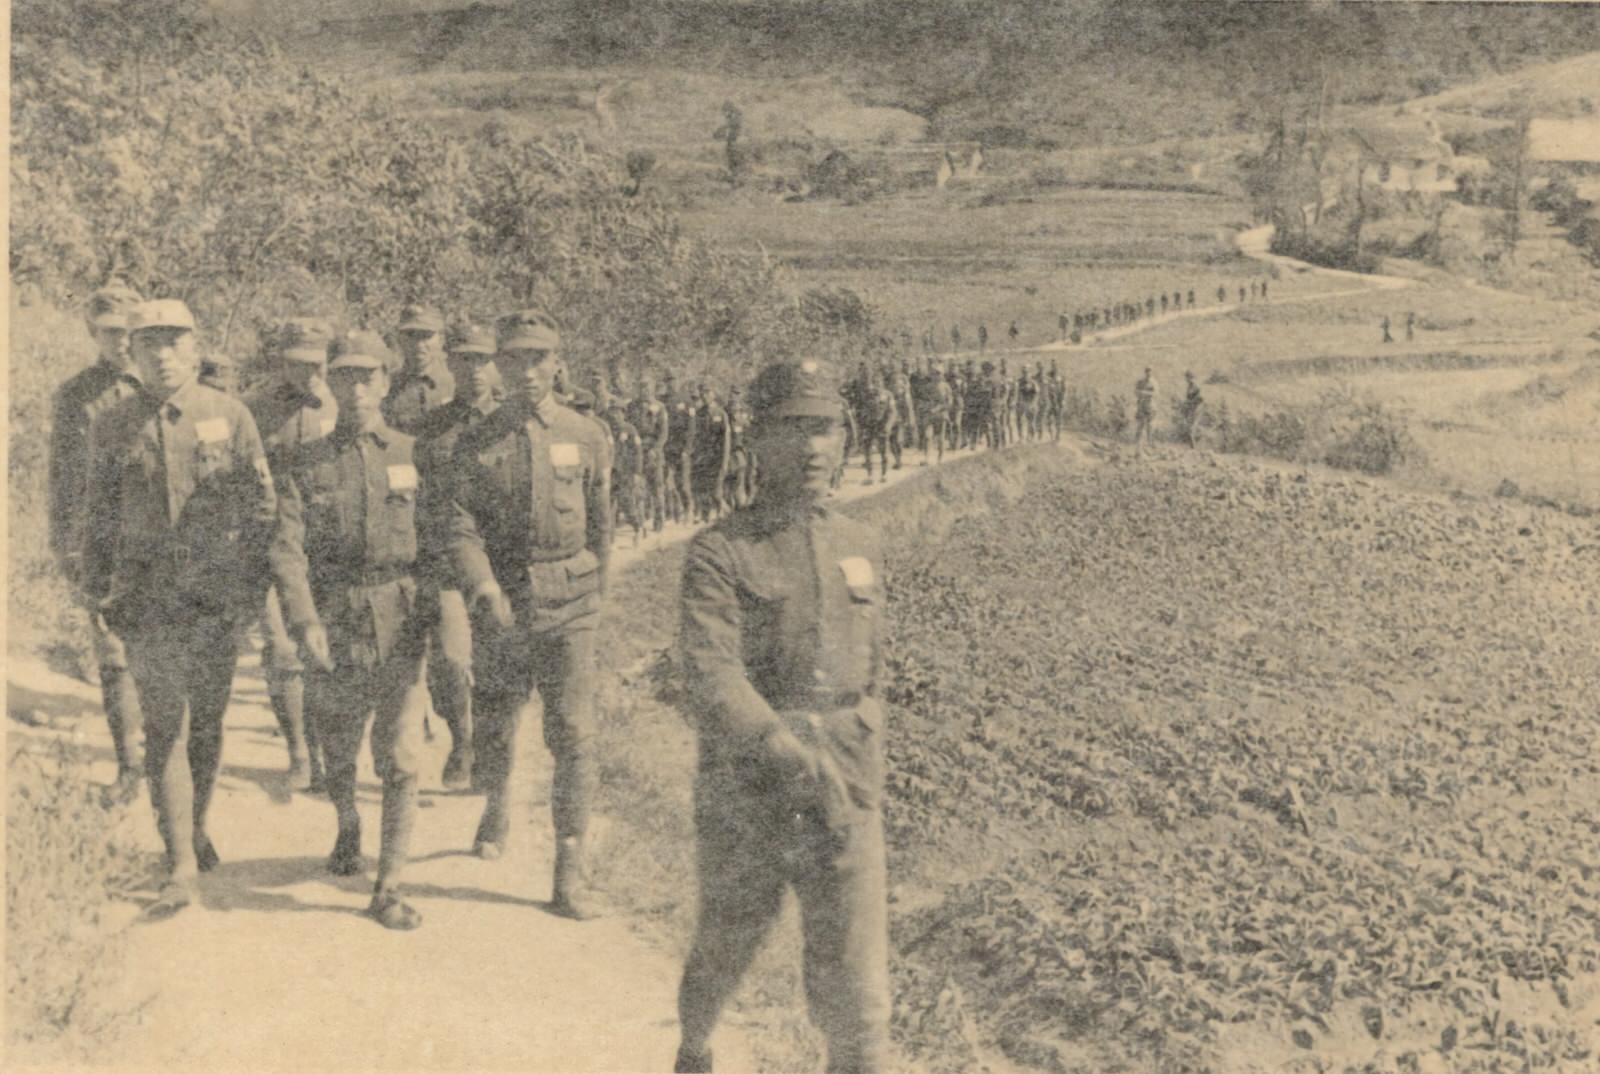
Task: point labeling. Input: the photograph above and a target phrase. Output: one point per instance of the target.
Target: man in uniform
(1192, 401)
(932, 397)
(292, 409)
(906, 406)
(180, 508)
(627, 479)
(958, 405)
(1387, 338)
(713, 452)
(1222, 294)
(679, 452)
(741, 469)
(530, 540)
(345, 557)
(1144, 410)
(469, 355)
(782, 645)
(878, 421)
(1411, 327)
(983, 337)
(76, 405)
(648, 415)
(423, 382)
(1056, 393)
(1027, 405)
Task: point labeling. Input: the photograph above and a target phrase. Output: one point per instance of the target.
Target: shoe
(490, 841)
(572, 897)
(458, 769)
(393, 912)
(123, 791)
(205, 854)
(346, 857)
(175, 895)
(689, 1062)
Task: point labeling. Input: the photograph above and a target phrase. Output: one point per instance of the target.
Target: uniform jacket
(345, 546)
(182, 503)
(77, 404)
(437, 435)
(713, 437)
(782, 626)
(650, 418)
(680, 426)
(412, 395)
(530, 508)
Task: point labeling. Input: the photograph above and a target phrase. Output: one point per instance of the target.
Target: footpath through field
(278, 968)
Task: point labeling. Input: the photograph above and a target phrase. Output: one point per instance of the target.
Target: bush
(61, 870)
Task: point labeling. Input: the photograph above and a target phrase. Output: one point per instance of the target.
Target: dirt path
(279, 969)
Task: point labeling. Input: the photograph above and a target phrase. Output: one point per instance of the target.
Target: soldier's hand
(315, 640)
(791, 759)
(490, 601)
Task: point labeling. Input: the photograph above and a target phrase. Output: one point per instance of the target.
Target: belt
(372, 577)
(540, 561)
(804, 701)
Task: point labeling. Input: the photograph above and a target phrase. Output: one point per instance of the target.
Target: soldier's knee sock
(120, 697)
(571, 794)
(287, 689)
(342, 792)
(172, 793)
(399, 819)
(452, 700)
(205, 760)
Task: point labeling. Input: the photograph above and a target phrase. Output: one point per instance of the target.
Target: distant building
(1403, 154)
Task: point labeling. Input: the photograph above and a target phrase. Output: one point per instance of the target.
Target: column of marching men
(437, 526)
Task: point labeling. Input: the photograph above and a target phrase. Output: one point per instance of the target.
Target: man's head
(358, 376)
(797, 429)
(470, 351)
(109, 309)
(421, 337)
(303, 344)
(647, 385)
(164, 348)
(528, 354)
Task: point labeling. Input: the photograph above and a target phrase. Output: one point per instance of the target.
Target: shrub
(61, 870)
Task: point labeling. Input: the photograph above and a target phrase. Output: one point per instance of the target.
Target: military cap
(160, 313)
(360, 349)
(305, 339)
(110, 306)
(417, 318)
(470, 339)
(794, 389)
(528, 330)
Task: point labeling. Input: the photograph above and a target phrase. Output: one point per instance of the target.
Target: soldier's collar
(179, 400)
(379, 434)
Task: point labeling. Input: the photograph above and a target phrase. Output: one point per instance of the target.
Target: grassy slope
(1230, 651)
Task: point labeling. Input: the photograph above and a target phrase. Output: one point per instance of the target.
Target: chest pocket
(861, 622)
(566, 495)
(396, 532)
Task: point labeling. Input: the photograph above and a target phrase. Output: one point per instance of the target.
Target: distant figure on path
(1222, 294)
(1241, 296)
(1411, 327)
(1191, 298)
(955, 336)
(1190, 414)
(1012, 332)
(1144, 410)
(1387, 338)
(983, 337)
(1263, 290)
(1252, 288)
(1163, 302)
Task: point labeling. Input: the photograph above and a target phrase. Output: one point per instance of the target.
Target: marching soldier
(294, 408)
(1411, 327)
(423, 382)
(1387, 338)
(933, 402)
(1144, 411)
(530, 539)
(76, 406)
(679, 452)
(345, 560)
(627, 479)
(782, 642)
(878, 421)
(1192, 401)
(1222, 293)
(713, 452)
(182, 507)
(469, 356)
(905, 437)
(1191, 298)
(648, 415)
(741, 468)
(1056, 393)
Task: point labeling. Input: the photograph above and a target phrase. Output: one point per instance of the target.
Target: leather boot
(572, 897)
(288, 693)
(692, 1062)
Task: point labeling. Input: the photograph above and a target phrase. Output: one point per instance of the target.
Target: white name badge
(212, 430)
(857, 571)
(565, 455)
(402, 478)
